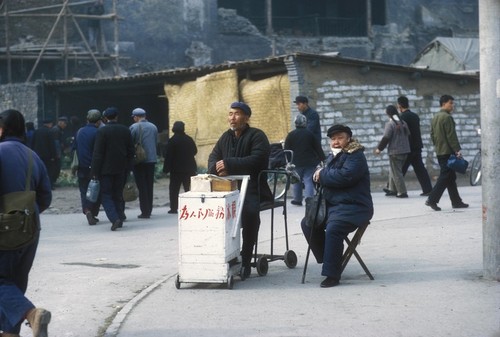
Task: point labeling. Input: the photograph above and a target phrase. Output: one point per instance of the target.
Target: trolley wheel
(177, 282)
(230, 282)
(475, 170)
(290, 259)
(262, 265)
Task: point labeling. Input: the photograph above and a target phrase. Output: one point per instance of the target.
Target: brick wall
(342, 94)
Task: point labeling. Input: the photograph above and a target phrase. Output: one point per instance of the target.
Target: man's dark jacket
(113, 150)
(248, 154)
(307, 151)
(44, 143)
(413, 122)
(179, 157)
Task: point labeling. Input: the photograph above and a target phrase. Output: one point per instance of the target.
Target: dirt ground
(66, 200)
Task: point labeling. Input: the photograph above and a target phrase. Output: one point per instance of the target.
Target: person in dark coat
(111, 161)
(244, 150)
(346, 187)
(15, 265)
(44, 145)
(30, 131)
(414, 158)
(307, 154)
(84, 147)
(58, 131)
(180, 163)
(311, 115)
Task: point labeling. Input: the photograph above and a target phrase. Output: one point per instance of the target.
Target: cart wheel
(290, 259)
(177, 282)
(230, 282)
(262, 265)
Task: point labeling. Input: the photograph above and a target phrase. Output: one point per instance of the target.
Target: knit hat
(300, 121)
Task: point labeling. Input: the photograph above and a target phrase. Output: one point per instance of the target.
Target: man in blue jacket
(145, 133)
(84, 147)
(346, 188)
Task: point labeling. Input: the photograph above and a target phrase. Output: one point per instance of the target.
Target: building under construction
(56, 39)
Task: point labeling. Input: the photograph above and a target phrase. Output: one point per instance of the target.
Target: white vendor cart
(209, 236)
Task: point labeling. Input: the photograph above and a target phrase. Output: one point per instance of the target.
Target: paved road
(427, 267)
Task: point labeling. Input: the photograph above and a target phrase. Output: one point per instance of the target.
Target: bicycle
(283, 164)
(475, 169)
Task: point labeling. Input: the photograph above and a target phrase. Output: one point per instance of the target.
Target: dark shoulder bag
(18, 227)
(316, 210)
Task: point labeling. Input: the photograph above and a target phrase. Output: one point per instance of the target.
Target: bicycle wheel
(280, 188)
(475, 170)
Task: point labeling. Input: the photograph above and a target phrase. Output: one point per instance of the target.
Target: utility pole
(489, 40)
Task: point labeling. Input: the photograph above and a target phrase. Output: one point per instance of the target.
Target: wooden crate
(224, 185)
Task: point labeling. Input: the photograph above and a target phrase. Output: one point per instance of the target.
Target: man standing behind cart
(244, 150)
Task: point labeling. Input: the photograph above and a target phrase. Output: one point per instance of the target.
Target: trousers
(447, 180)
(15, 266)
(144, 174)
(415, 160)
(327, 245)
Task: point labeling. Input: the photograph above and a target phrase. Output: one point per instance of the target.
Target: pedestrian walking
(84, 147)
(111, 162)
(445, 139)
(146, 134)
(44, 145)
(180, 163)
(16, 160)
(396, 138)
(414, 158)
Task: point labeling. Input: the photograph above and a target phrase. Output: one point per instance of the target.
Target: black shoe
(460, 205)
(389, 193)
(425, 194)
(296, 203)
(90, 218)
(172, 212)
(432, 205)
(117, 224)
(329, 282)
(96, 219)
(402, 195)
(245, 272)
(143, 216)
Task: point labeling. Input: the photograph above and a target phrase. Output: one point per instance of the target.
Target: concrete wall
(342, 94)
(22, 97)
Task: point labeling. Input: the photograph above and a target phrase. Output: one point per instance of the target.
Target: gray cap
(300, 121)
(93, 115)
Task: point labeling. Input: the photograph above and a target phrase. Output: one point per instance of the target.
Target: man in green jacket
(444, 137)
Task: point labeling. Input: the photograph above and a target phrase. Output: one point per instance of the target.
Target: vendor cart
(209, 236)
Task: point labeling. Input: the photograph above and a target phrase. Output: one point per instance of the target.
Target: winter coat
(346, 184)
(246, 155)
